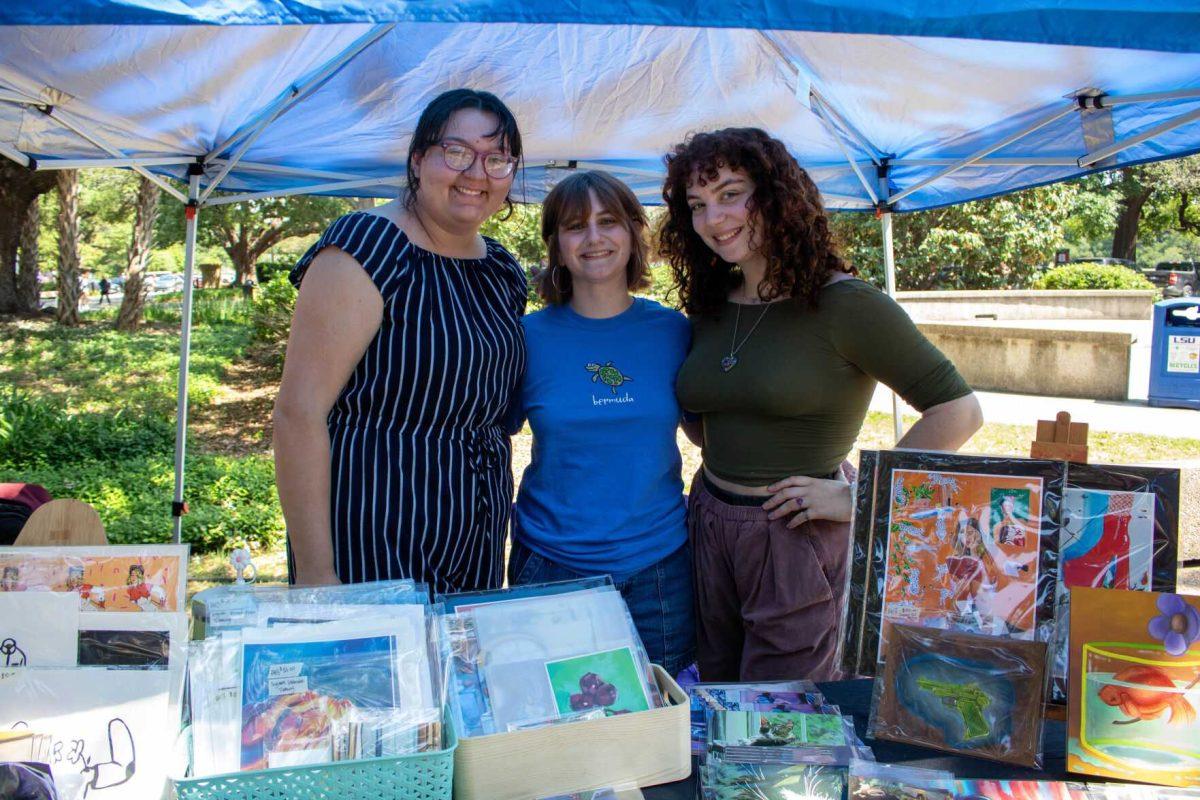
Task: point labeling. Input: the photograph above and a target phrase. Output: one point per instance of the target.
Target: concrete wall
(1058, 363)
(965, 306)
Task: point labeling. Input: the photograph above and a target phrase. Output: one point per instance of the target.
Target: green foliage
(232, 500)
(521, 233)
(274, 305)
(1092, 276)
(987, 244)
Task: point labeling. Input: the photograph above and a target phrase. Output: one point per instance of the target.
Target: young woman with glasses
(406, 346)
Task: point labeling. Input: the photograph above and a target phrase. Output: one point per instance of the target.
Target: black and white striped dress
(421, 484)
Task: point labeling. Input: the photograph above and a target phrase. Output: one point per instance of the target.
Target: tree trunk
(18, 188)
(67, 309)
(364, 203)
(1125, 236)
(28, 289)
(146, 212)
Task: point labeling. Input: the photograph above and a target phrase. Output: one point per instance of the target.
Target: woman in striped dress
(405, 349)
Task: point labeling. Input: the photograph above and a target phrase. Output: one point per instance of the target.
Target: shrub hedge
(1092, 276)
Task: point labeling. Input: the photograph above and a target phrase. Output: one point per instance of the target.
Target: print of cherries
(594, 691)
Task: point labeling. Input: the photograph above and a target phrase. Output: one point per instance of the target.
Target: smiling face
(595, 248)
(459, 202)
(723, 216)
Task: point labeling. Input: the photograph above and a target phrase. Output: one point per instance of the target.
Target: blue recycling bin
(1175, 354)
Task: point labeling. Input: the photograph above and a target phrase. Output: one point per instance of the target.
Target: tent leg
(889, 266)
(185, 350)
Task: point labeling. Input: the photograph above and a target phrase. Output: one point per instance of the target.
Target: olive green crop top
(797, 397)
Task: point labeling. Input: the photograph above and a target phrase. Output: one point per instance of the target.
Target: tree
(521, 233)
(986, 244)
(28, 287)
(1133, 187)
(145, 213)
(67, 307)
(19, 187)
(250, 228)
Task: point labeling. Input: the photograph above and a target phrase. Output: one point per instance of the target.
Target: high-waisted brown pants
(768, 599)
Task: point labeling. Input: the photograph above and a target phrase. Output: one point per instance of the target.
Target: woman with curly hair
(787, 347)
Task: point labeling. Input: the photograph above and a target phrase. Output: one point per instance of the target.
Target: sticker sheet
(1134, 697)
(146, 578)
(965, 693)
(952, 542)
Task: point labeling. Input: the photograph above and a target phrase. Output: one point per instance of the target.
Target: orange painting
(115, 578)
(962, 552)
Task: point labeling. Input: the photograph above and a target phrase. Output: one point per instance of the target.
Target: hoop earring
(554, 279)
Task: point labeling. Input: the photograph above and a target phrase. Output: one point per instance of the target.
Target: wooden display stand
(62, 522)
(645, 748)
(1060, 439)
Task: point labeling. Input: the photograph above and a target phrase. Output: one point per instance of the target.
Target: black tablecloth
(854, 699)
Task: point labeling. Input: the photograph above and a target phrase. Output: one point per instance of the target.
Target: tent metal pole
(178, 507)
(871, 150)
(889, 273)
(1125, 144)
(987, 151)
(312, 189)
(87, 163)
(62, 119)
(1000, 161)
(837, 137)
(299, 172)
(1105, 100)
(15, 154)
(296, 94)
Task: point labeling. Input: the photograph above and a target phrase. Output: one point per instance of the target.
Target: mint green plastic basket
(421, 776)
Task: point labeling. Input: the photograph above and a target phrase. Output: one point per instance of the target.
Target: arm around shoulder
(338, 312)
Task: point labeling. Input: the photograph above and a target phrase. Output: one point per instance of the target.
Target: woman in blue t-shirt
(602, 493)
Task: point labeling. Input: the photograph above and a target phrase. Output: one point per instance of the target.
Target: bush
(274, 304)
(232, 499)
(38, 432)
(1092, 276)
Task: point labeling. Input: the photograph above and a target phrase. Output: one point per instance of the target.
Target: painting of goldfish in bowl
(1134, 686)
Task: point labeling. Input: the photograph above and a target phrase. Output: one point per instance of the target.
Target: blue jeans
(659, 599)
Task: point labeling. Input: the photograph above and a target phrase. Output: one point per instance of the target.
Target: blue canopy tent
(892, 106)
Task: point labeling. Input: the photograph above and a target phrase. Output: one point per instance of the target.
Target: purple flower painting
(1178, 624)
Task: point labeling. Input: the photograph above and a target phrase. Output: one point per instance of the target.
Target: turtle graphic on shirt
(607, 374)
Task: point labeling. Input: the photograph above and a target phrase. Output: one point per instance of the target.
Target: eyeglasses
(461, 157)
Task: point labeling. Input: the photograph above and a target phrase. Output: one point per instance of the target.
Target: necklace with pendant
(730, 361)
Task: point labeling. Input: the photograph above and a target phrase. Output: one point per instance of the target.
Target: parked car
(1124, 262)
(1177, 278)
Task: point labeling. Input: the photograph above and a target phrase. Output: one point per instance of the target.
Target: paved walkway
(1131, 416)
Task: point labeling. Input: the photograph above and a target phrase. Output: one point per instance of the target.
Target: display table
(854, 699)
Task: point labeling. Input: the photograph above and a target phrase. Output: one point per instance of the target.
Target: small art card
(964, 693)
(991, 789)
(733, 781)
(610, 679)
(776, 729)
(1134, 696)
(38, 629)
(108, 578)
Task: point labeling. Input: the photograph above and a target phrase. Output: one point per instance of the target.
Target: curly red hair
(795, 236)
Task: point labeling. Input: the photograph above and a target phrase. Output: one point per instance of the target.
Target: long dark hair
(795, 238)
(571, 200)
(432, 125)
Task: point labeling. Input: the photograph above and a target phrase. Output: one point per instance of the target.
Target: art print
(118, 578)
(610, 680)
(962, 552)
(873, 788)
(38, 629)
(775, 729)
(1134, 699)
(964, 693)
(734, 781)
(990, 789)
(111, 730)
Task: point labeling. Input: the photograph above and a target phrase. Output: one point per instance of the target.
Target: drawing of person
(13, 655)
(1010, 531)
(10, 580)
(89, 596)
(146, 596)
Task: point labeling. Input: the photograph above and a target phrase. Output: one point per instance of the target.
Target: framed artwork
(1120, 530)
(148, 578)
(953, 542)
(1134, 686)
(965, 693)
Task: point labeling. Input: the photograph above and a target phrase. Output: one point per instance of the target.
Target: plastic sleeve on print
(915, 777)
(451, 602)
(849, 640)
(466, 699)
(614, 791)
(214, 680)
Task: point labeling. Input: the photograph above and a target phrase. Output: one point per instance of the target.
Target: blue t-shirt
(603, 491)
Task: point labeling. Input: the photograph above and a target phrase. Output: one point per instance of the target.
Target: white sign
(1183, 354)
